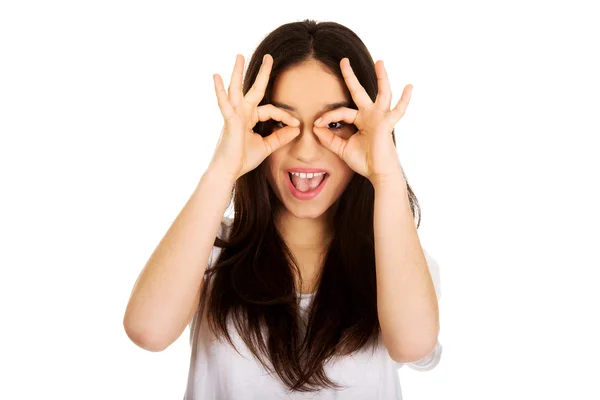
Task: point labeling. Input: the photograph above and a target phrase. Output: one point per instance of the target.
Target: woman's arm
(406, 300)
(167, 291)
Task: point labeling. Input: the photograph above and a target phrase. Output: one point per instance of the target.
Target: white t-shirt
(218, 372)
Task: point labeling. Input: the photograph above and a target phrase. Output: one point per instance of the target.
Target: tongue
(305, 184)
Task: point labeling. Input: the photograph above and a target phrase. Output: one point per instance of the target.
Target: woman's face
(305, 91)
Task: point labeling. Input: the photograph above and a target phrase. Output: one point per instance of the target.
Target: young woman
(318, 287)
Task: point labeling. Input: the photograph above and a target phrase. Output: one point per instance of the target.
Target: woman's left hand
(370, 151)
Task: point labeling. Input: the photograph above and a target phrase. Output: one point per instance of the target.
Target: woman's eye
(331, 125)
(276, 124)
(336, 128)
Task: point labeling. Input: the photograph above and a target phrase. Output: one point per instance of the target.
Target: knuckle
(268, 146)
(264, 111)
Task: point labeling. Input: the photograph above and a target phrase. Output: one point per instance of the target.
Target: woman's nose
(307, 145)
(307, 133)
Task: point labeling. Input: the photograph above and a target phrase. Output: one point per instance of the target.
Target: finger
(235, 85)
(331, 141)
(226, 109)
(280, 138)
(398, 111)
(384, 93)
(257, 91)
(345, 114)
(269, 111)
(359, 95)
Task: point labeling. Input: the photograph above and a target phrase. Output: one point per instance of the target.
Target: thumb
(331, 141)
(281, 137)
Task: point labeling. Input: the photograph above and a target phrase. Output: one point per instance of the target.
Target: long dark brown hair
(252, 281)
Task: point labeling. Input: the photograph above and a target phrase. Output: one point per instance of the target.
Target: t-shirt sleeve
(430, 361)
(222, 233)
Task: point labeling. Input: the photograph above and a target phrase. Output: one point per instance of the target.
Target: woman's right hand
(240, 149)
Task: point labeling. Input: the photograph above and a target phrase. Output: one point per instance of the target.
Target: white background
(108, 118)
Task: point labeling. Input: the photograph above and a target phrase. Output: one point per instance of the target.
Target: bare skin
(306, 224)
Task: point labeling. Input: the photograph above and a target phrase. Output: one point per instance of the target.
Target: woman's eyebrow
(327, 107)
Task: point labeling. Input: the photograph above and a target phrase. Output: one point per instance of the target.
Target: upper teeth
(309, 175)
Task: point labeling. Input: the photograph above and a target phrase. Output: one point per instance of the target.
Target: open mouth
(307, 182)
(306, 186)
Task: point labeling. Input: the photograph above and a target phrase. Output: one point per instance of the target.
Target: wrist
(215, 174)
(395, 180)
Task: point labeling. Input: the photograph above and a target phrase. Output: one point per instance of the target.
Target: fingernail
(264, 58)
(317, 122)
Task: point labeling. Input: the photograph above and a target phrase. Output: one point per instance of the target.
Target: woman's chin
(302, 211)
(308, 210)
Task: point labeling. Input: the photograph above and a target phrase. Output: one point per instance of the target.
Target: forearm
(406, 300)
(166, 292)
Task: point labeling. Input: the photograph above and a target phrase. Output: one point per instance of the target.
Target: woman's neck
(305, 234)
(308, 240)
